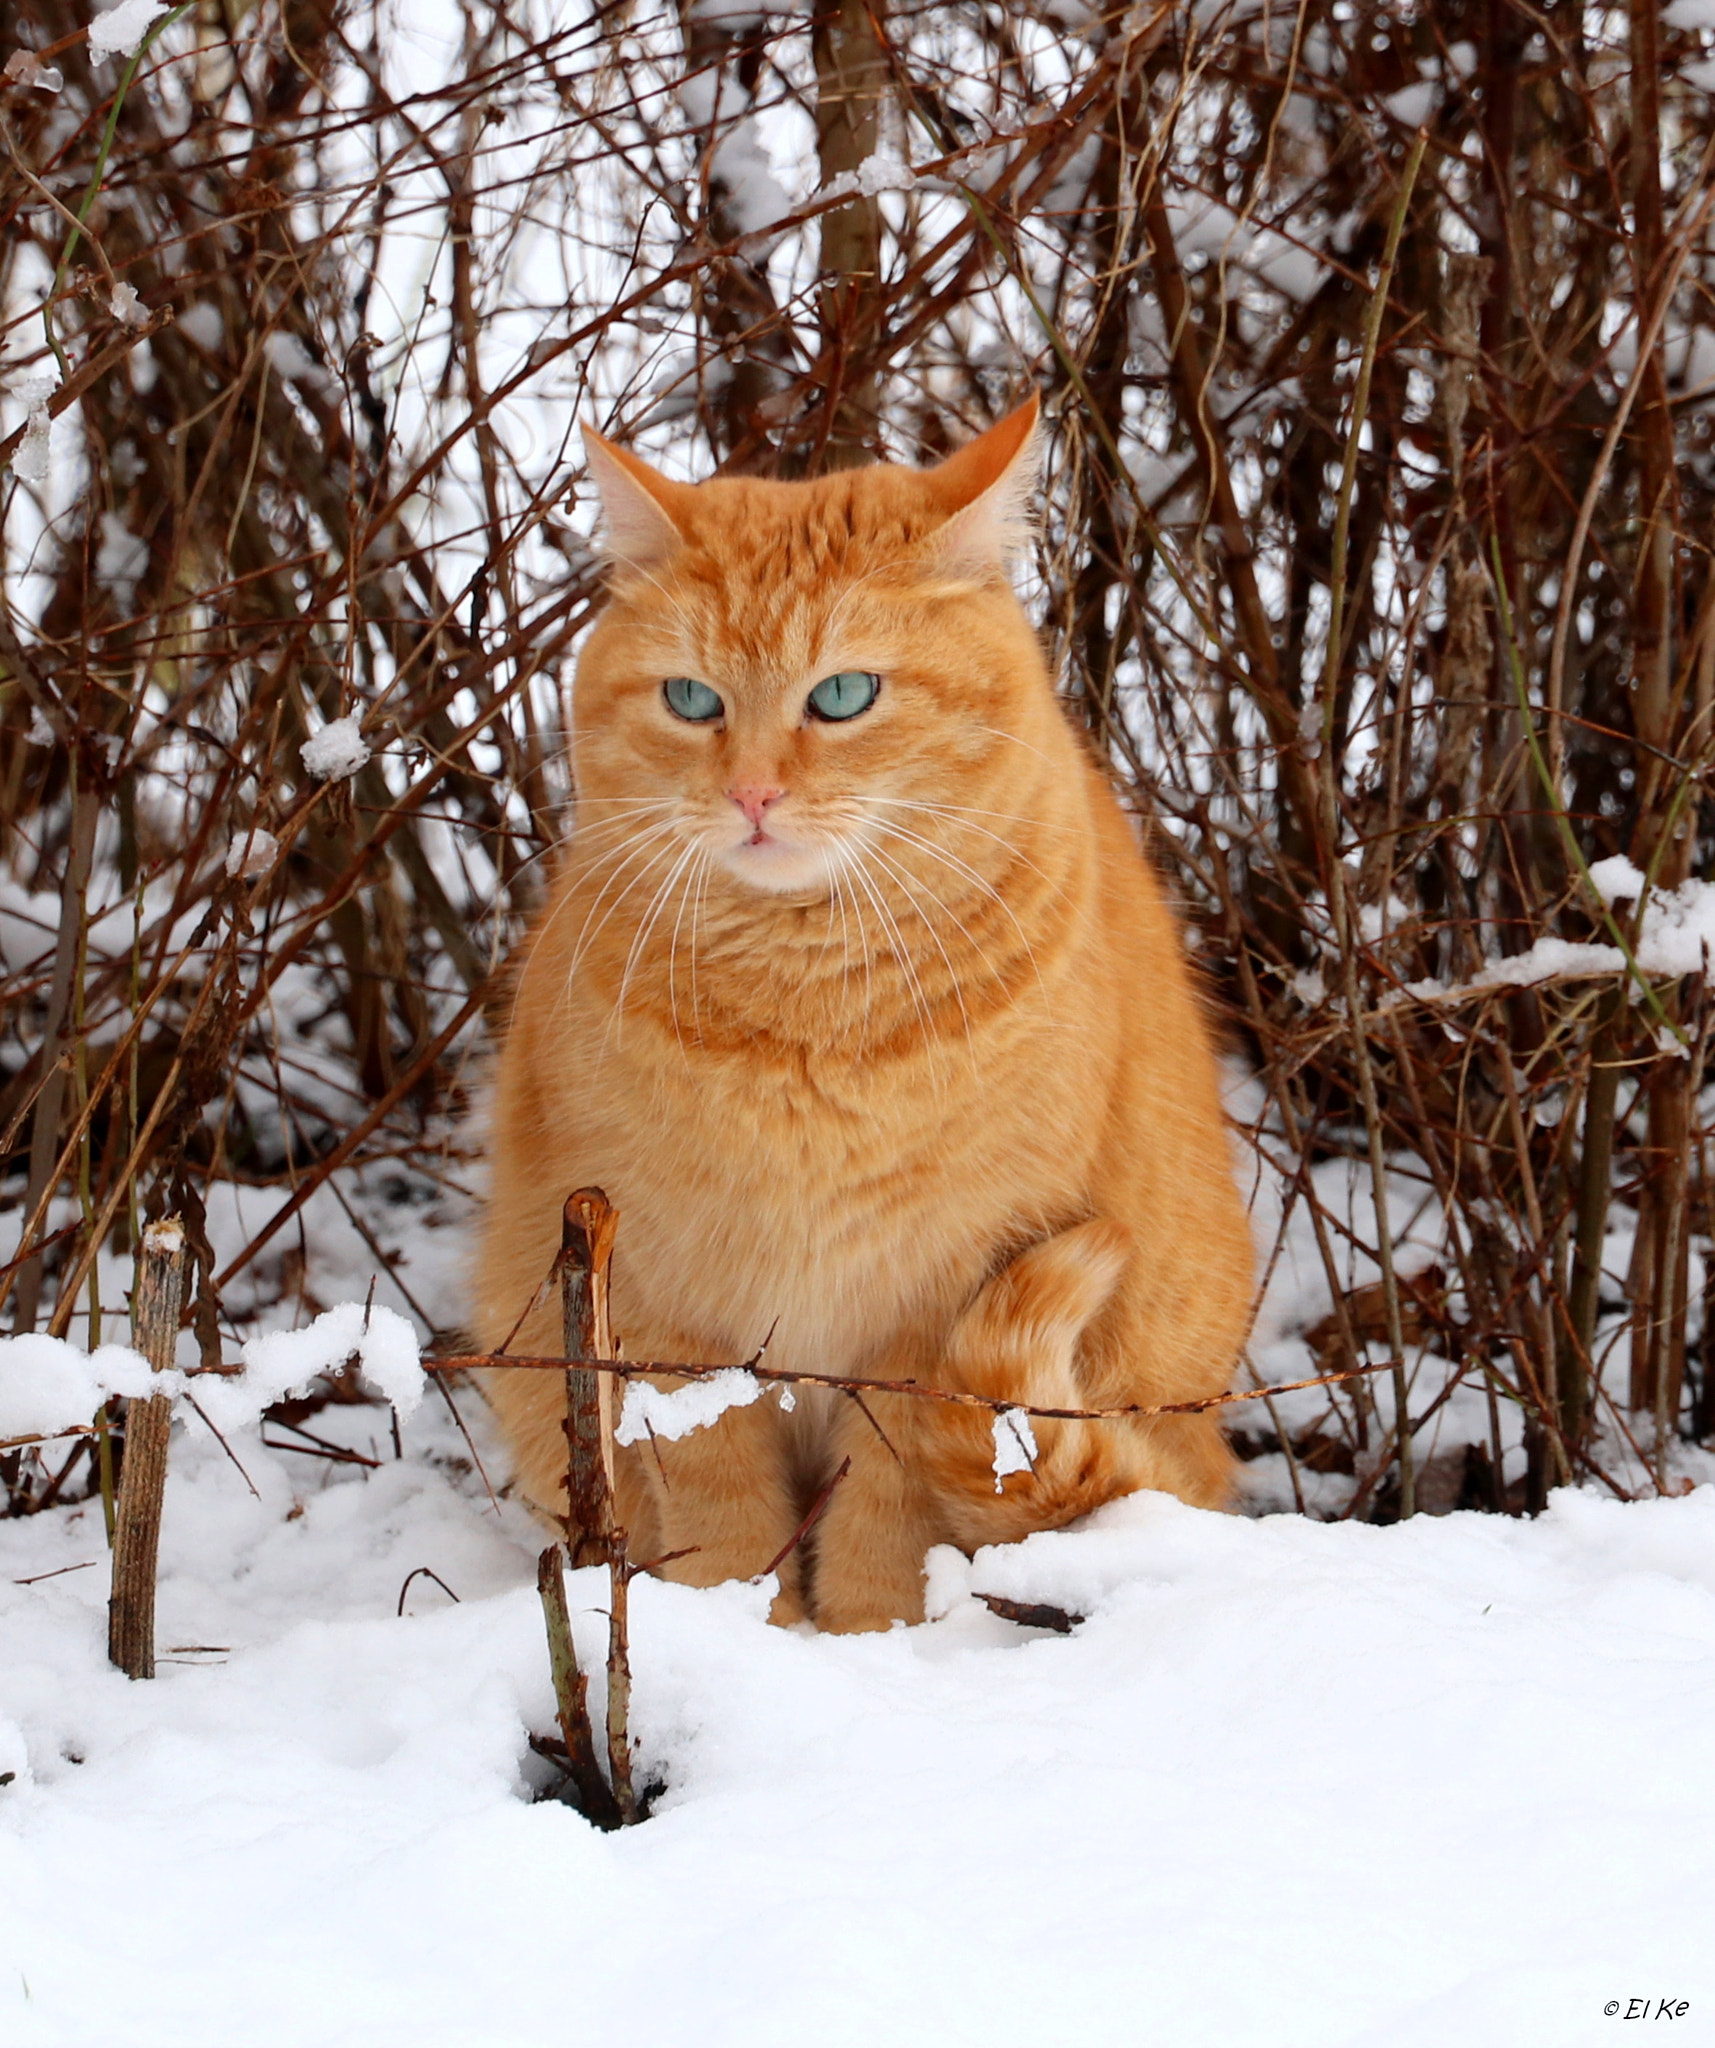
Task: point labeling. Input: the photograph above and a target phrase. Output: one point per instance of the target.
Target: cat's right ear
(985, 488)
(642, 510)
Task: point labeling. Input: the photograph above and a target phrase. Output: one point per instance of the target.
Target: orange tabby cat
(860, 1002)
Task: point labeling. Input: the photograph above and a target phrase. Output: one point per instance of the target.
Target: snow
(1014, 1445)
(121, 558)
(120, 31)
(738, 160)
(1413, 104)
(337, 751)
(1678, 934)
(1616, 877)
(49, 1387)
(654, 1411)
(290, 360)
(126, 307)
(1289, 1784)
(1203, 225)
(202, 325)
(879, 172)
(253, 853)
(285, 1363)
(33, 457)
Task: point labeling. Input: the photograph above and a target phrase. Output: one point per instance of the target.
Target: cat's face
(796, 681)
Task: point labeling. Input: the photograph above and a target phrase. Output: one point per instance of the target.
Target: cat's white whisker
(902, 958)
(970, 874)
(588, 935)
(565, 903)
(960, 813)
(899, 875)
(685, 897)
(640, 939)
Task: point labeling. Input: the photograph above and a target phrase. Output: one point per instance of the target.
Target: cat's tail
(1018, 1341)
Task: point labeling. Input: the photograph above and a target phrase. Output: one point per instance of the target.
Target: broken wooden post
(155, 1309)
(586, 1250)
(593, 1533)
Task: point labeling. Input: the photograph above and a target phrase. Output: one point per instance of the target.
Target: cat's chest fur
(825, 1200)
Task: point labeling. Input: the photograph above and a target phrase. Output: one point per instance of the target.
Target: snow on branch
(49, 1387)
(656, 1411)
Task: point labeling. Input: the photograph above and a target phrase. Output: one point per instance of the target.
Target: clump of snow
(24, 67)
(1014, 1445)
(285, 1363)
(738, 163)
(1413, 104)
(339, 750)
(737, 17)
(120, 31)
(1615, 878)
(202, 325)
(120, 560)
(878, 172)
(290, 360)
(1204, 225)
(33, 458)
(126, 307)
(253, 852)
(39, 732)
(656, 1411)
(48, 1386)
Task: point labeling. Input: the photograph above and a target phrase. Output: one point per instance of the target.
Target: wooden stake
(137, 1533)
(593, 1532)
(586, 1248)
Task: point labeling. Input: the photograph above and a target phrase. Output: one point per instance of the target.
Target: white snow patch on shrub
(337, 751)
(127, 308)
(1413, 104)
(33, 457)
(120, 560)
(252, 853)
(1617, 877)
(203, 325)
(285, 1363)
(654, 1410)
(120, 31)
(48, 1385)
(1014, 1445)
(288, 358)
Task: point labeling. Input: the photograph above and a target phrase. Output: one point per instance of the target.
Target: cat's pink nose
(753, 798)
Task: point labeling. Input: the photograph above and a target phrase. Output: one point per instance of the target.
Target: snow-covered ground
(1289, 1782)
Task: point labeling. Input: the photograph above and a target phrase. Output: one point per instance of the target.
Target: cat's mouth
(772, 861)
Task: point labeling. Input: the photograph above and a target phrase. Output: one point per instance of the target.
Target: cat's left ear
(986, 488)
(643, 510)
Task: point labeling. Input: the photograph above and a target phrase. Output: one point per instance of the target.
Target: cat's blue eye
(845, 695)
(692, 700)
